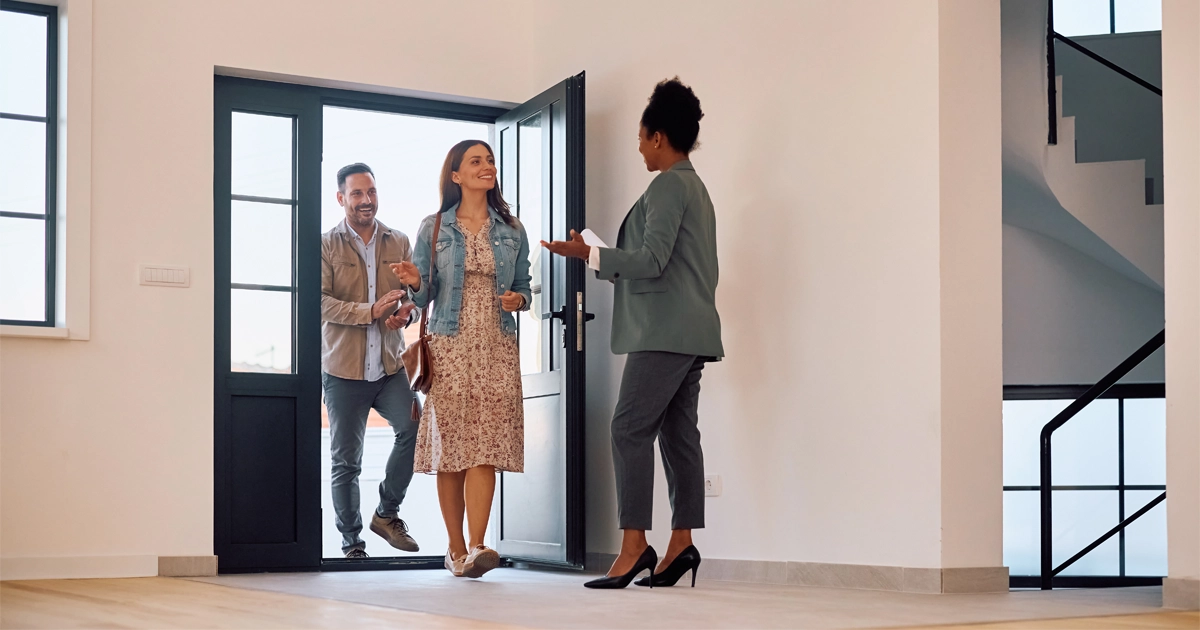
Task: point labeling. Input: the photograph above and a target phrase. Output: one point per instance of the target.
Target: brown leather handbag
(417, 361)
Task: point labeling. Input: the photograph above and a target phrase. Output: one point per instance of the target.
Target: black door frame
(306, 103)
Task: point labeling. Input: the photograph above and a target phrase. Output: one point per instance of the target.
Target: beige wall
(856, 418)
(971, 283)
(825, 161)
(107, 444)
(1181, 160)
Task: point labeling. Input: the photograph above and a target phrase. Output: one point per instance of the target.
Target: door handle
(562, 315)
(581, 317)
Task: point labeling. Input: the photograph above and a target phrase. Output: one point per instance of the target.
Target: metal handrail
(1046, 486)
(1110, 533)
(1108, 64)
(1051, 71)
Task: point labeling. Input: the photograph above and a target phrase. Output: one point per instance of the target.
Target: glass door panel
(262, 239)
(262, 156)
(533, 324)
(261, 243)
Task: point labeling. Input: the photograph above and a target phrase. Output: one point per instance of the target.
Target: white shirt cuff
(594, 258)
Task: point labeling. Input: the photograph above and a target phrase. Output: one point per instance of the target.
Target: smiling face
(359, 198)
(650, 146)
(477, 171)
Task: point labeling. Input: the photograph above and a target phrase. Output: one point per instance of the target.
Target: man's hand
(400, 318)
(511, 302)
(574, 248)
(407, 273)
(386, 303)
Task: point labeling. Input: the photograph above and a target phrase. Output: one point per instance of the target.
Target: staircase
(1109, 199)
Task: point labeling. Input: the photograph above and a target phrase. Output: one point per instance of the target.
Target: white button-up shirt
(373, 363)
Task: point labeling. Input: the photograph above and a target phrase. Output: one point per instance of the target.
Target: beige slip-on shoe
(455, 567)
(479, 561)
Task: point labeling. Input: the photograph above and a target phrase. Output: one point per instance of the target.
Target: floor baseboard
(53, 568)
(187, 566)
(855, 576)
(1181, 593)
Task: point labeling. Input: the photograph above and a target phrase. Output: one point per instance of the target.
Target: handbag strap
(437, 225)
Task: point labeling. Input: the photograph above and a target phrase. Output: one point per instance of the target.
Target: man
(363, 311)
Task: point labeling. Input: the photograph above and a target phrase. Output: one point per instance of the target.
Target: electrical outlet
(712, 485)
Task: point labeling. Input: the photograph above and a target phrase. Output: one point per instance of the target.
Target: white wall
(1181, 160)
(971, 319)
(851, 197)
(107, 444)
(1070, 320)
(823, 162)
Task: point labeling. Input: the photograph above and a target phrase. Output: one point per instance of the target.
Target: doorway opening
(406, 153)
(277, 149)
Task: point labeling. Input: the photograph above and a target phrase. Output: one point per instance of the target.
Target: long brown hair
(452, 192)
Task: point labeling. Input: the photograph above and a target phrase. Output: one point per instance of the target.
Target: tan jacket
(345, 311)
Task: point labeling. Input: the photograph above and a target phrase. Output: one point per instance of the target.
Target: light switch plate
(165, 276)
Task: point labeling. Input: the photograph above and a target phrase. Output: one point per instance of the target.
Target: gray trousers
(659, 394)
(348, 403)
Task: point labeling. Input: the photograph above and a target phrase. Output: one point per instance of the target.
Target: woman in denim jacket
(473, 421)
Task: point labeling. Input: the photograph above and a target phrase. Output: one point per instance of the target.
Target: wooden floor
(172, 603)
(1152, 621)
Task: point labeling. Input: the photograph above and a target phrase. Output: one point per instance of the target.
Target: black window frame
(1112, 22)
(1121, 392)
(50, 218)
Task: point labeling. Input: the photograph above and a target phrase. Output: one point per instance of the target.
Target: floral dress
(474, 413)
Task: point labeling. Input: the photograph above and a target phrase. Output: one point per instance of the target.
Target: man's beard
(359, 219)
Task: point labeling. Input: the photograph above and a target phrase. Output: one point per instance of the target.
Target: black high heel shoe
(687, 560)
(647, 560)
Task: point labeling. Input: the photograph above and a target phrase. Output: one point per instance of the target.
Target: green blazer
(664, 268)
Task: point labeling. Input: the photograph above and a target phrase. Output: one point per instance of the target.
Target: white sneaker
(479, 561)
(455, 567)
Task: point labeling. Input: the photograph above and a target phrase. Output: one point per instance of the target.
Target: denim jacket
(510, 246)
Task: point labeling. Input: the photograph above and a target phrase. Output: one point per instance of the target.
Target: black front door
(541, 168)
(267, 373)
(267, 363)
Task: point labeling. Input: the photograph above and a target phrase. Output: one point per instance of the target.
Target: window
(262, 243)
(1102, 17)
(28, 158)
(1109, 462)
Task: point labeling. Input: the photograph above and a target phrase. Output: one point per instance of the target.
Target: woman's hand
(408, 274)
(574, 248)
(512, 302)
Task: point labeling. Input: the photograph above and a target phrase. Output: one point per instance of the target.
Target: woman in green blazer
(664, 271)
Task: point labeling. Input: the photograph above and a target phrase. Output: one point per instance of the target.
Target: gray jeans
(659, 395)
(348, 403)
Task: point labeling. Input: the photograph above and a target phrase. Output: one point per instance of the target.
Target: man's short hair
(352, 169)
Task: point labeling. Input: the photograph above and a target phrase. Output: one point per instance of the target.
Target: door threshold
(381, 564)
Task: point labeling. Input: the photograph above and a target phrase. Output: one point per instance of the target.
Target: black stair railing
(1046, 488)
(1051, 37)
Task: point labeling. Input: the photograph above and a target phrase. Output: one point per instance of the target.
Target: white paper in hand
(590, 238)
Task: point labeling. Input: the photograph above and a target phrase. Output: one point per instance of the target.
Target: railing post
(1052, 79)
(1047, 513)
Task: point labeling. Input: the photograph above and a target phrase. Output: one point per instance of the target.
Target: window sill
(36, 332)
